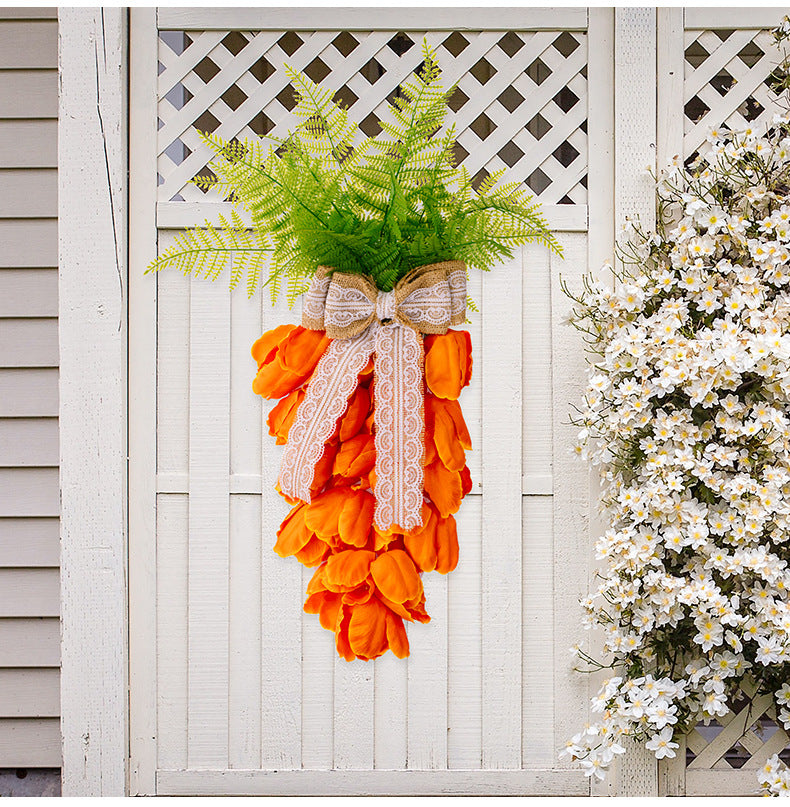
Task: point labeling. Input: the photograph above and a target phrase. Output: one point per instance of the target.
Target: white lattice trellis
(520, 103)
(726, 82)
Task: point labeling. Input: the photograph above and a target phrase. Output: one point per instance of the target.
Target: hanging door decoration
(377, 234)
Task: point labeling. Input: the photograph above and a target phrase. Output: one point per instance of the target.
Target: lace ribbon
(362, 321)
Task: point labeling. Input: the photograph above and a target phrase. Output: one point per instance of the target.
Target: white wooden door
(233, 688)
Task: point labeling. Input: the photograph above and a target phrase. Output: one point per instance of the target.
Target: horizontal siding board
(30, 342)
(28, 292)
(28, 192)
(29, 442)
(29, 392)
(33, 642)
(28, 94)
(28, 242)
(29, 143)
(25, 13)
(26, 43)
(30, 743)
(29, 542)
(29, 692)
(29, 492)
(29, 592)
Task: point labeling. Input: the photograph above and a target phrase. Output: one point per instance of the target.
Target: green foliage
(325, 195)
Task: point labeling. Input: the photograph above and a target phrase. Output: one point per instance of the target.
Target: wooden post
(92, 221)
(635, 154)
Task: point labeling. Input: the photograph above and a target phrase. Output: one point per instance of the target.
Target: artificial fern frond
(208, 251)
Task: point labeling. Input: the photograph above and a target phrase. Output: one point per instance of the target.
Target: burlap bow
(361, 320)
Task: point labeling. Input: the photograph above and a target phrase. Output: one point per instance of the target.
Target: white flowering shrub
(687, 415)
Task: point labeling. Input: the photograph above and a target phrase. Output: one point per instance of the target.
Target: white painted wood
(172, 660)
(707, 17)
(29, 392)
(29, 492)
(282, 596)
(179, 215)
(28, 94)
(635, 155)
(92, 220)
(28, 342)
(28, 442)
(29, 143)
(143, 438)
(501, 368)
(30, 743)
(670, 86)
(29, 693)
(387, 19)
(28, 192)
(353, 706)
(28, 292)
(29, 542)
(381, 783)
(28, 44)
(209, 396)
(28, 242)
(28, 13)
(29, 642)
(29, 592)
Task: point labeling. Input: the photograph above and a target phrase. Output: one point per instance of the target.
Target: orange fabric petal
(395, 576)
(265, 348)
(356, 456)
(347, 569)
(316, 583)
(327, 605)
(453, 409)
(301, 349)
(444, 488)
(446, 545)
(396, 607)
(367, 630)
(323, 513)
(293, 533)
(448, 446)
(313, 552)
(360, 594)
(448, 363)
(282, 416)
(396, 636)
(356, 414)
(274, 382)
(356, 518)
(466, 482)
(421, 543)
(341, 635)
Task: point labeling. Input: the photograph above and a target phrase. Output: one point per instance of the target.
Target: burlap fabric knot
(361, 321)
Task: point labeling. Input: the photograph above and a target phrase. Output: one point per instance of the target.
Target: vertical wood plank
(570, 558)
(209, 460)
(464, 648)
(538, 606)
(353, 702)
(172, 618)
(427, 674)
(318, 664)
(390, 713)
(282, 596)
(600, 250)
(501, 537)
(244, 677)
(92, 315)
(670, 86)
(635, 154)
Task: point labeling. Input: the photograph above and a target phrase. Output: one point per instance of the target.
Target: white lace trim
(399, 427)
(326, 399)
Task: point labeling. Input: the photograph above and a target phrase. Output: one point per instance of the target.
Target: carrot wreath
(377, 234)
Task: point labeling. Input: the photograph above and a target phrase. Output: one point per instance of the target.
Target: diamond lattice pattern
(520, 103)
(726, 82)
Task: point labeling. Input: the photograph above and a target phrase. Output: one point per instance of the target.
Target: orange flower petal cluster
(368, 583)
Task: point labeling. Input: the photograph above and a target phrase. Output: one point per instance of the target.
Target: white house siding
(29, 497)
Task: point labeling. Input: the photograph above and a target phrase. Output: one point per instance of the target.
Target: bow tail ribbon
(398, 417)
